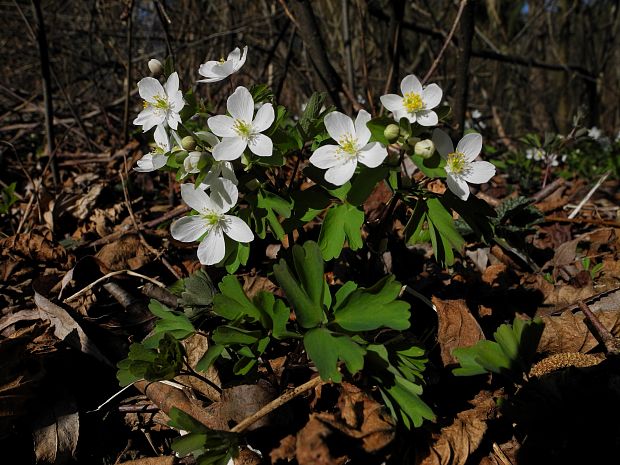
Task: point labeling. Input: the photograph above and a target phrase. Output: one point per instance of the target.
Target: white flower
(353, 147)
(162, 104)
(157, 158)
(417, 102)
(595, 133)
(535, 154)
(211, 220)
(215, 71)
(460, 165)
(239, 130)
(219, 169)
(190, 164)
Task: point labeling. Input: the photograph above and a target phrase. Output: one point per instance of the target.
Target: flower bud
(425, 148)
(391, 132)
(188, 143)
(156, 67)
(411, 141)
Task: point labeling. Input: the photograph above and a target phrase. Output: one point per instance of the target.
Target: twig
(276, 403)
(109, 275)
(446, 42)
(500, 454)
(47, 90)
(588, 195)
(600, 333)
(561, 219)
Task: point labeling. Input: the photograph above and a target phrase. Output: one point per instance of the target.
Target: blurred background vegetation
(511, 68)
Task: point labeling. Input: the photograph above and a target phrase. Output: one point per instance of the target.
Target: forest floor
(79, 267)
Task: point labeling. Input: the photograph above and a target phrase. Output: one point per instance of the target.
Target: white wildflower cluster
(217, 194)
(241, 133)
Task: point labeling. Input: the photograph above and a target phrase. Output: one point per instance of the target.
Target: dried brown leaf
(569, 333)
(151, 461)
(285, 450)
(311, 446)
(56, 432)
(126, 253)
(66, 328)
(455, 443)
(457, 328)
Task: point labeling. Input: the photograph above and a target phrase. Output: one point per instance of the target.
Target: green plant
(592, 270)
(511, 353)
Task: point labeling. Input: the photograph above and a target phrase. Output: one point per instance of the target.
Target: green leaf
(198, 290)
(175, 323)
(507, 340)
(469, 366)
(344, 292)
(311, 113)
(309, 269)
(325, 349)
(411, 408)
(192, 443)
(377, 127)
(229, 335)
(304, 290)
(8, 198)
(341, 222)
(211, 355)
(181, 420)
(232, 303)
(364, 183)
(433, 167)
(277, 312)
(415, 225)
(374, 308)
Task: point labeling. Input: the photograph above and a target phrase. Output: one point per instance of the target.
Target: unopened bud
(411, 141)
(156, 67)
(188, 143)
(425, 148)
(391, 132)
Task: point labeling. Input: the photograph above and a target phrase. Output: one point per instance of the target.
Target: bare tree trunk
(128, 83)
(47, 90)
(394, 45)
(466, 35)
(311, 36)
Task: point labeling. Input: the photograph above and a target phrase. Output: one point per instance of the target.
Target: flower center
(160, 103)
(348, 145)
(212, 218)
(412, 102)
(456, 162)
(222, 61)
(243, 128)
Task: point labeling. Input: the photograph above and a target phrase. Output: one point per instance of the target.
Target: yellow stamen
(348, 145)
(412, 102)
(456, 162)
(242, 128)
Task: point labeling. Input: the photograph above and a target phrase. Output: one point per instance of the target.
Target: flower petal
(264, 118)
(149, 88)
(427, 118)
(240, 104)
(326, 156)
(197, 199)
(261, 145)
(212, 248)
(161, 138)
(228, 172)
(173, 120)
(234, 55)
(237, 229)
(392, 102)
(241, 61)
(458, 186)
(145, 164)
(479, 172)
(339, 125)
(442, 143)
(340, 174)
(372, 155)
(224, 194)
(362, 133)
(172, 84)
(411, 84)
(431, 96)
(189, 228)
(470, 145)
(149, 117)
(222, 125)
(159, 161)
(230, 148)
